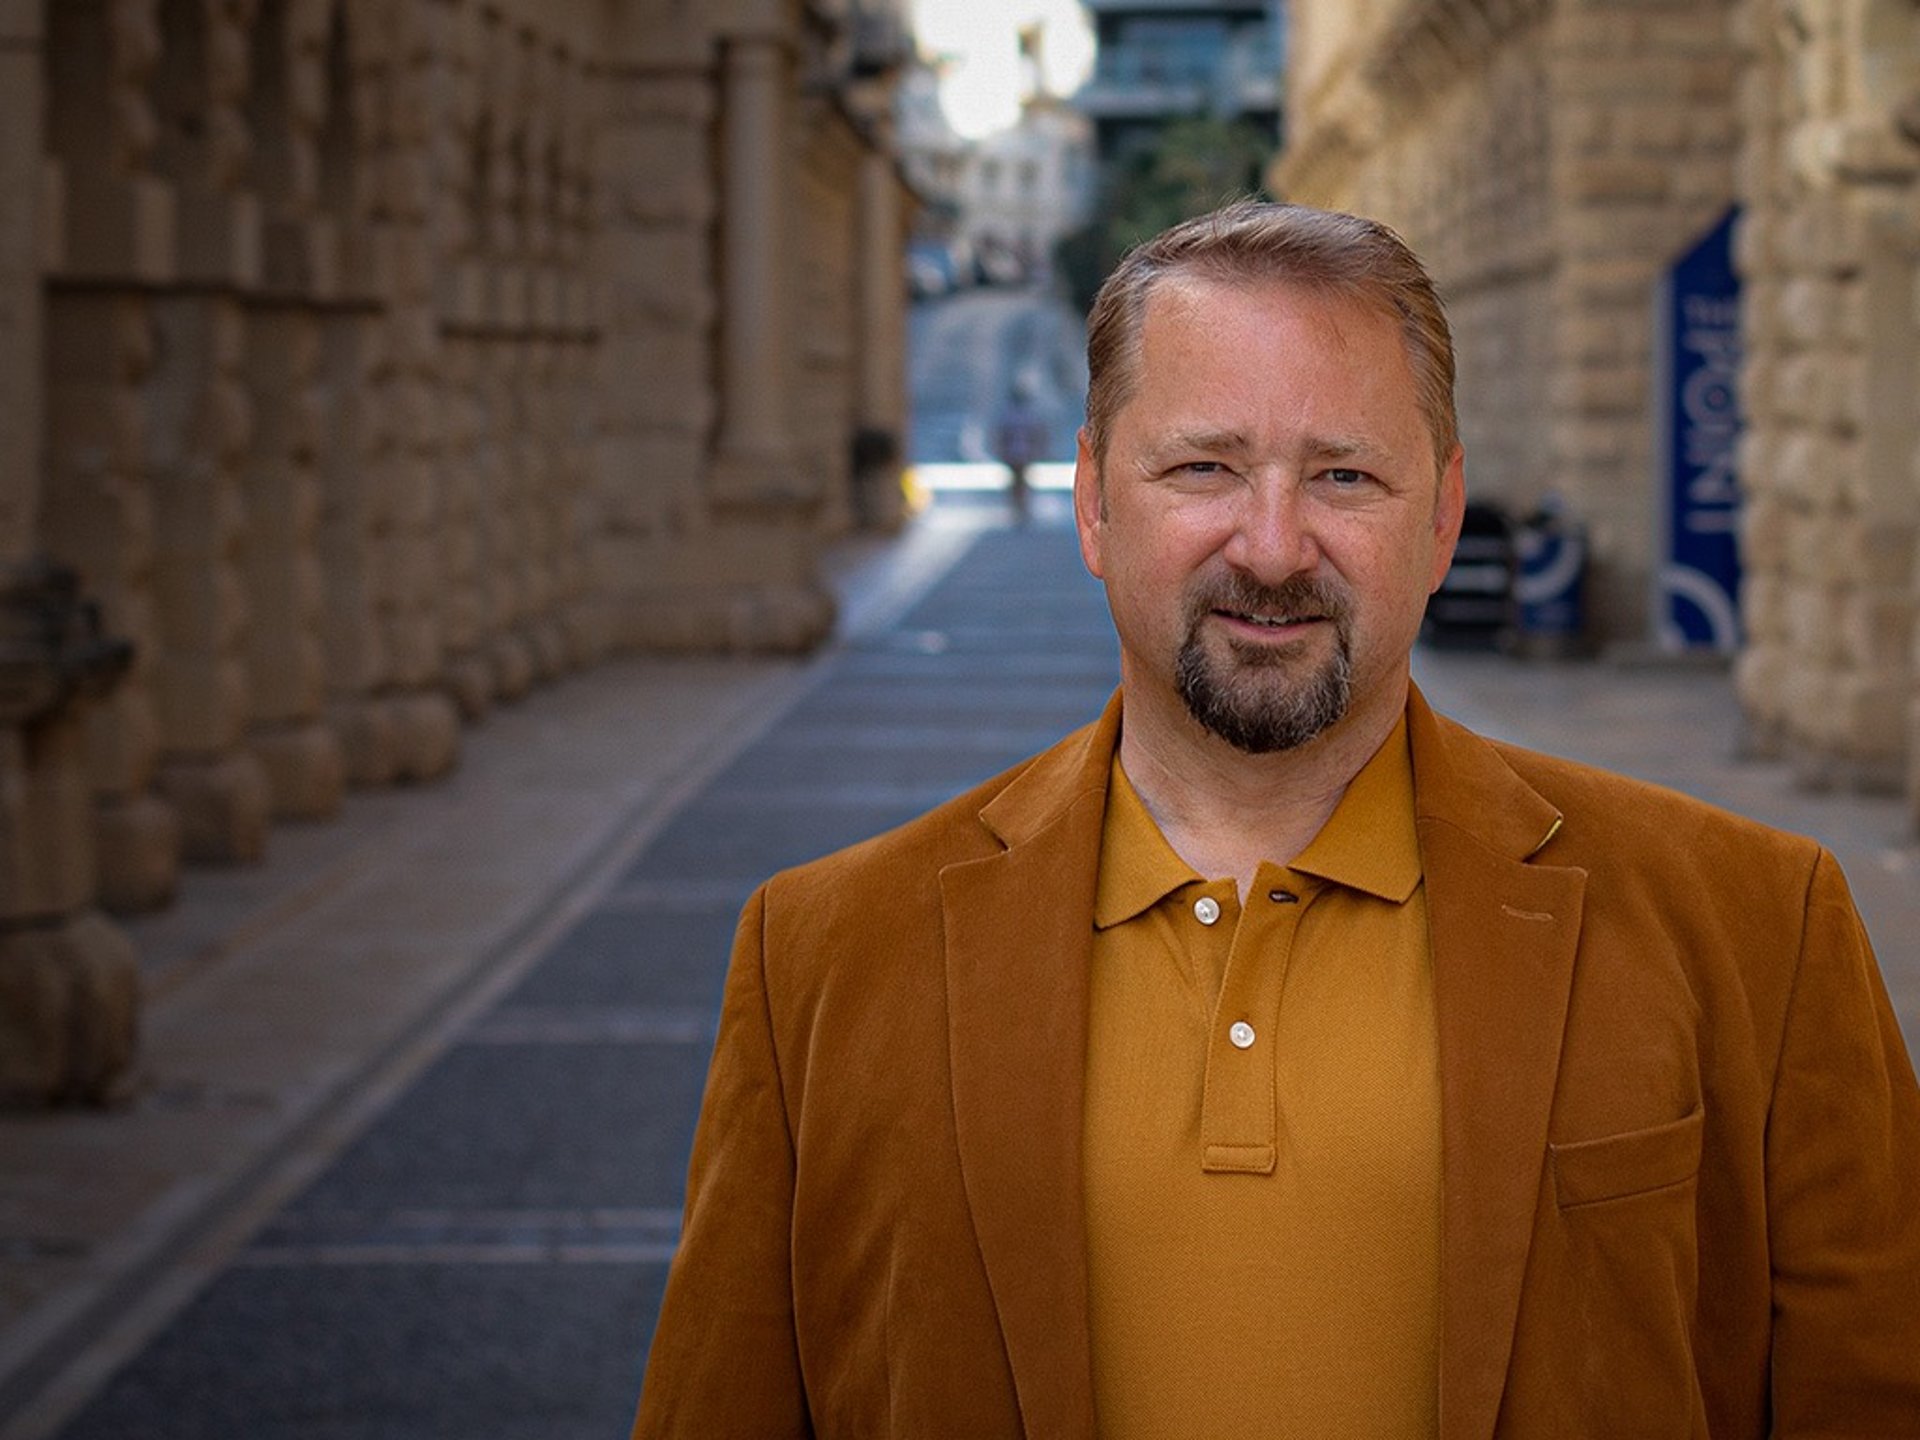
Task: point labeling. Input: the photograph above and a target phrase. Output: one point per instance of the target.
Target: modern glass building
(1162, 60)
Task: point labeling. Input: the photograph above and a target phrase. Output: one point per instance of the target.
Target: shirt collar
(1369, 843)
(1138, 868)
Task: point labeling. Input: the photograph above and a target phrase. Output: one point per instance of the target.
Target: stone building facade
(1550, 158)
(366, 363)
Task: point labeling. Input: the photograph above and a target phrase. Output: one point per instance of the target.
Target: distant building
(1163, 60)
(933, 155)
(1025, 187)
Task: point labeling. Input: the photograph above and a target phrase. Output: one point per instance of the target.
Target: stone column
(1833, 350)
(21, 179)
(200, 427)
(111, 243)
(69, 983)
(754, 465)
(379, 535)
(762, 502)
(879, 441)
(286, 666)
(652, 263)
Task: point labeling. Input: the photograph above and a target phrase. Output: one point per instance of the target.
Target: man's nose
(1272, 535)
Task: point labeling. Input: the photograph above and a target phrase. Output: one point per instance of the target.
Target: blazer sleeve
(725, 1361)
(1843, 1190)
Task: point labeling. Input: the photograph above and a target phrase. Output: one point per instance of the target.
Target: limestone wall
(1830, 249)
(368, 363)
(1550, 157)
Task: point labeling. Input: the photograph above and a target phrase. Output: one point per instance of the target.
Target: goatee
(1251, 698)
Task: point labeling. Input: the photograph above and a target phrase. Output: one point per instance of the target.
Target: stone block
(1763, 609)
(513, 668)
(200, 605)
(1613, 180)
(1872, 728)
(202, 701)
(1808, 310)
(224, 804)
(120, 230)
(123, 738)
(1813, 620)
(1810, 548)
(1600, 390)
(287, 677)
(69, 1012)
(1764, 524)
(368, 744)
(1759, 679)
(653, 173)
(305, 769)
(46, 822)
(22, 23)
(469, 680)
(550, 647)
(426, 729)
(414, 648)
(1876, 633)
(218, 238)
(137, 843)
(1875, 554)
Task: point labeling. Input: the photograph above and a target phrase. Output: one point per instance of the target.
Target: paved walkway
(406, 1156)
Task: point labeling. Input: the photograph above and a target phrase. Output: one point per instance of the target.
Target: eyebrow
(1235, 442)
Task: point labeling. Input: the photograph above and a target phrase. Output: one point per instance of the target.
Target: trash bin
(1549, 584)
(1471, 608)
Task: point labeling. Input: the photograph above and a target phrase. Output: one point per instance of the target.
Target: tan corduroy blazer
(1681, 1135)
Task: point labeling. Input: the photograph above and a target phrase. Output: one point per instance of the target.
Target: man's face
(1268, 518)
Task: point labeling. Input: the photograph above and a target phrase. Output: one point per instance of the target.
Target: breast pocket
(1612, 1167)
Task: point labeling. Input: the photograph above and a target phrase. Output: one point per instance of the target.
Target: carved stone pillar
(111, 240)
(380, 487)
(201, 428)
(286, 666)
(754, 465)
(68, 980)
(289, 108)
(21, 104)
(763, 503)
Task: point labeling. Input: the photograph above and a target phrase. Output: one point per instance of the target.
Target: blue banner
(1697, 576)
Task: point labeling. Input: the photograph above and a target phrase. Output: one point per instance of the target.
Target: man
(1275, 1057)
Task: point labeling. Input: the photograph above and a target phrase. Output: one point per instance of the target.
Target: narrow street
(968, 353)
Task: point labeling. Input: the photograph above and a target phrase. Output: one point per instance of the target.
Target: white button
(1206, 910)
(1241, 1035)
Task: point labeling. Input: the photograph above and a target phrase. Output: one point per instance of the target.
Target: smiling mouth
(1269, 622)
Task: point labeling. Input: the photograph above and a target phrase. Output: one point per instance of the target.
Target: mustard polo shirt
(1263, 1132)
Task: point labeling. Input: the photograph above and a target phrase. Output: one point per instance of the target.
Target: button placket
(1239, 1122)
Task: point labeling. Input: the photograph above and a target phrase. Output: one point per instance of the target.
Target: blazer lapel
(1504, 929)
(1018, 938)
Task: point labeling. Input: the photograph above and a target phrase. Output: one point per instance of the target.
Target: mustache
(1297, 595)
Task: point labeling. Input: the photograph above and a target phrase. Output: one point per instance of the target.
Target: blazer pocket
(1616, 1166)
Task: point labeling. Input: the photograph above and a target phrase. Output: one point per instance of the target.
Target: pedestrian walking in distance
(1020, 439)
(1275, 1057)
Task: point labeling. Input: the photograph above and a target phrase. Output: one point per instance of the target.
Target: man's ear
(1449, 511)
(1089, 506)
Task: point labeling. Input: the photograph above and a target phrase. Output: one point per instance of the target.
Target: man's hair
(1257, 242)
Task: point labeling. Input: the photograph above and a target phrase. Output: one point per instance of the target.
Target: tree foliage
(1193, 165)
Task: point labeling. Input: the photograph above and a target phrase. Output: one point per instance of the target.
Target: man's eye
(1199, 467)
(1346, 478)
